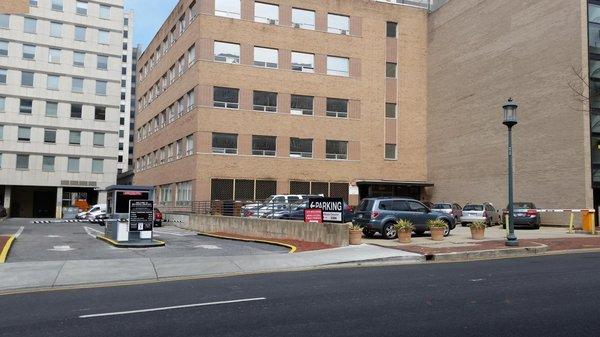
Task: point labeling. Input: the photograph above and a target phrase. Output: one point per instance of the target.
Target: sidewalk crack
(58, 274)
(154, 267)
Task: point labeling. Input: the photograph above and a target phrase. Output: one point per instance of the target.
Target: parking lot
(59, 241)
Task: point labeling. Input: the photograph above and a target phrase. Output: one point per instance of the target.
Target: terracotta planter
(437, 234)
(355, 237)
(404, 236)
(477, 233)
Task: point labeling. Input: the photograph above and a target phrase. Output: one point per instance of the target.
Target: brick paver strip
(302, 246)
(568, 243)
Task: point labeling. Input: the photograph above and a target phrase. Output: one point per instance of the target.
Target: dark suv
(380, 215)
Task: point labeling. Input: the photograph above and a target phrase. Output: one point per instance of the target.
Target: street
(541, 296)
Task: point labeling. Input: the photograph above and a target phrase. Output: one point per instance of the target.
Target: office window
(390, 151)
(22, 162)
(2, 104)
(4, 21)
(180, 108)
(81, 8)
(2, 76)
(54, 55)
(74, 137)
(191, 100)
(98, 139)
(264, 146)
(338, 24)
(302, 105)
(98, 165)
(24, 133)
(336, 149)
(25, 106)
(29, 25)
(55, 29)
(227, 52)
(390, 110)
(303, 62)
(224, 143)
(51, 109)
(28, 52)
(3, 48)
(57, 5)
(337, 107)
(302, 18)
(76, 110)
(52, 82)
(1, 132)
(73, 164)
(102, 62)
(27, 78)
(184, 193)
(77, 84)
(226, 97)
(228, 8)
(390, 70)
(266, 57)
(266, 13)
(191, 55)
(48, 163)
(189, 145)
(33, 3)
(50, 136)
(338, 66)
(101, 88)
(265, 101)
(301, 148)
(392, 29)
(78, 59)
(104, 12)
(79, 33)
(100, 113)
(104, 36)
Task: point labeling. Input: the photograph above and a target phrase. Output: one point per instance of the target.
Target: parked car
(380, 215)
(82, 214)
(270, 204)
(158, 218)
(2, 211)
(296, 212)
(449, 208)
(525, 215)
(484, 212)
(97, 212)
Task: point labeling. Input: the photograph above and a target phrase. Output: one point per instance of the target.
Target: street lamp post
(510, 120)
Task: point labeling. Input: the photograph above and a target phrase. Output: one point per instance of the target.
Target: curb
(158, 243)
(6, 249)
(487, 254)
(274, 243)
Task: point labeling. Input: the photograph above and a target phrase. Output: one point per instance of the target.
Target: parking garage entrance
(33, 202)
(376, 189)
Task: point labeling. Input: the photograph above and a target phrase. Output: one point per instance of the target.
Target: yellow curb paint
(4, 252)
(115, 243)
(291, 247)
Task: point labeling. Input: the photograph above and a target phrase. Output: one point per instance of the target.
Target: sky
(148, 17)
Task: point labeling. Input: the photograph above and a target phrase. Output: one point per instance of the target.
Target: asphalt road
(542, 296)
(61, 241)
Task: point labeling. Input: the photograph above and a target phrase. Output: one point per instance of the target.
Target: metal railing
(235, 208)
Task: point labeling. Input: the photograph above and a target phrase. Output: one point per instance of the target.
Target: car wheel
(368, 233)
(447, 228)
(389, 231)
(464, 224)
(489, 222)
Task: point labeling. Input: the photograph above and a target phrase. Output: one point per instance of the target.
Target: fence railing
(247, 208)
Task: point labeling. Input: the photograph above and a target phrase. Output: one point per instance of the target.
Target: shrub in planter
(404, 229)
(437, 228)
(355, 237)
(478, 230)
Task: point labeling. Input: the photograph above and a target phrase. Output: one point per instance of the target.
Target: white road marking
(208, 247)
(88, 230)
(119, 313)
(53, 236)
(62, 248)
(476, 280)
(19, 232)
(172, 233)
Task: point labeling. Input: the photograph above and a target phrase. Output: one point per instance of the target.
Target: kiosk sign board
(332, 208)
(313, 215)
(141, 215)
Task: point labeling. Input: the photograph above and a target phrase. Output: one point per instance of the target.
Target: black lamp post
(510, 120)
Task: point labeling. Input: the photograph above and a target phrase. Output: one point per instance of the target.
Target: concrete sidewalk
(23, 275)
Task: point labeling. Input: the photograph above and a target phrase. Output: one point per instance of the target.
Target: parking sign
(332, 208)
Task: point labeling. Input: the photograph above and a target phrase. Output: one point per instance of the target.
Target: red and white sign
(313, 215)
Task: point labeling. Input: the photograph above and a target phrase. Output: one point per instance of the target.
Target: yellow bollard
(594, 223)
(506, 224)
(571, 224)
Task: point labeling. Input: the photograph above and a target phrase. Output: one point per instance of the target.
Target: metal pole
(511, 239)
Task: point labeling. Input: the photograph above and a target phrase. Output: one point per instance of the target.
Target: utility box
(130, 211)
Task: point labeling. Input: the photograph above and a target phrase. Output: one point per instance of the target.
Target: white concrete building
(125, 117)
(60, 94)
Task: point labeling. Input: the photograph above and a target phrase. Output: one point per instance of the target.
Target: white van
(95, 211)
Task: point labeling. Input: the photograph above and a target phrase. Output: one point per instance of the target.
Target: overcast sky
(148, 17)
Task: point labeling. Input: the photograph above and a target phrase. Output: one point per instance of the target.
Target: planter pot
(437, 234)
(355, 237)
(404, 236)
(477, 233)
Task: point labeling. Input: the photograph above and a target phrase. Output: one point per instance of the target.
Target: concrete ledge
(487, 254)
(153, 243)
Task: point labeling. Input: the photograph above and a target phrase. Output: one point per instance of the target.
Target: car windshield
(527, 205)
(365, 205)
(442, 206)
(473, 208)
